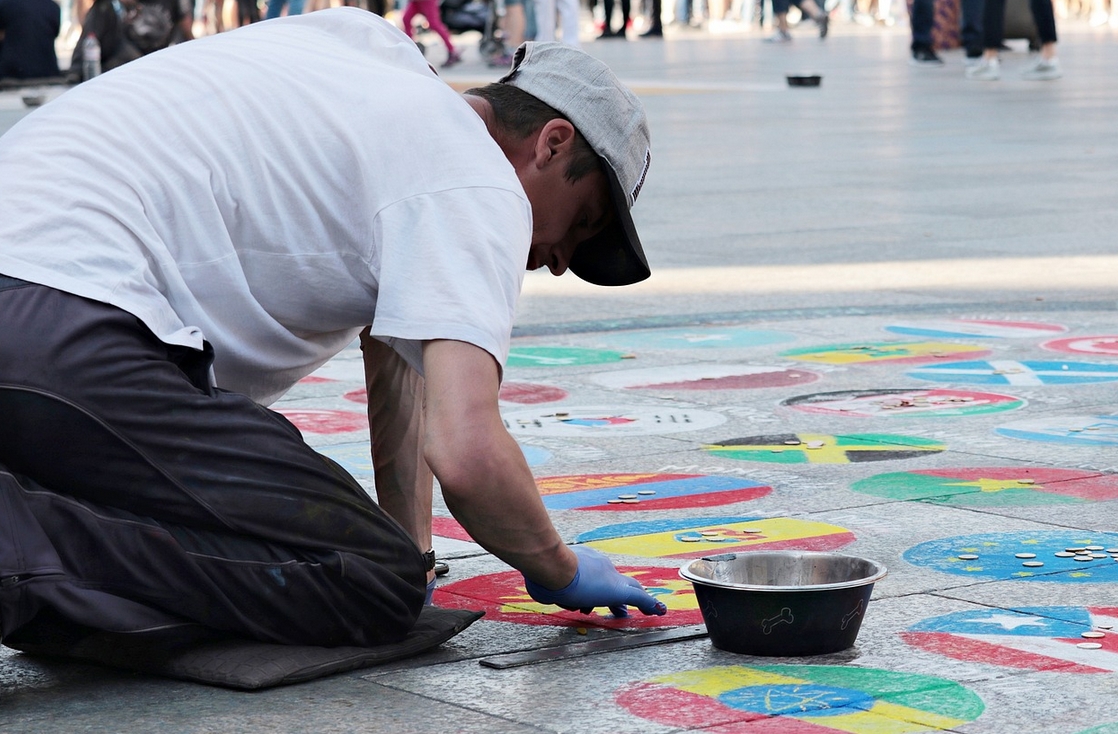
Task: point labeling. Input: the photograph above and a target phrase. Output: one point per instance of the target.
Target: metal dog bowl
(783, 603)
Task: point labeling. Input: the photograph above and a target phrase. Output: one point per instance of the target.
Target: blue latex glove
(597, 584)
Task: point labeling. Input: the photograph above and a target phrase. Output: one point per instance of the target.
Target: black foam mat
(192, 654)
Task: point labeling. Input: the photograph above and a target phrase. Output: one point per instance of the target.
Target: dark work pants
(134, 497)
(970, 23)
(993, 21)
(923, 17)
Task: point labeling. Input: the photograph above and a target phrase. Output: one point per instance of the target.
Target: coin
(1089, 645)
(1093, 547)
(614, 502)
(1026, 481)
(792, 442)
(631, 502)
(626, 496)
(1063, 554)
(647, 491)
(1099, 555)
(1033, 564)
(1084, 558)
(1025, 555)
(1093, 635)
(689, 539)
(967, 557)
(710, 533)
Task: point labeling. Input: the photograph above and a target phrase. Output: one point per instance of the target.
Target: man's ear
(554, 140)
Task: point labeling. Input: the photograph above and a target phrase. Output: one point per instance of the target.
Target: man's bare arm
(485, 480)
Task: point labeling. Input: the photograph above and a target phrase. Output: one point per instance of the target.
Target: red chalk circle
(326, 421)
(1106, 345)
(504, 599)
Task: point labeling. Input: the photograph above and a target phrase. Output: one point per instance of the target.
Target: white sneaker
(779, 37)
(987, 70)
(1043, 70)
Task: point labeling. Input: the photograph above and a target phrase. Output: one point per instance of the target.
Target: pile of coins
(796, 442)
(716, 536)
(630, 499)
(1088, 553)
(1081, 553)
(922, 402)
(1093, 635)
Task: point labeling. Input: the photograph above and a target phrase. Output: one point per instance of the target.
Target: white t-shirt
(273, 190)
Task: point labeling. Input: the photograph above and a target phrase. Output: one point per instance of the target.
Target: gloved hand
(597, 584)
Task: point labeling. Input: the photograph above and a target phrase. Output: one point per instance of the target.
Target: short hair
(520, 114)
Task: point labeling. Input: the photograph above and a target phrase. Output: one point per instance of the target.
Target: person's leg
(971, 27)
(410, 11)
(655, 24)
(1045, 66)
(993, 27)
(515, 24)
(626, 12)
(545, 20)
(780, 22)
(921, 20)
(295, 7)
(569, 17)
(274, 9)
(607, 29)
(430, 11)
(993, 24)
(1045, 20)
(153, 488)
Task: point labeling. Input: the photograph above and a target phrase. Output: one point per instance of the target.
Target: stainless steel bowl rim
(877, 576)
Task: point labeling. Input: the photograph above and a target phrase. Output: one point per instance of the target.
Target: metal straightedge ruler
(593, 647)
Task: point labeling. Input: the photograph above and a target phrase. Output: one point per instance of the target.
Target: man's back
(254, 215)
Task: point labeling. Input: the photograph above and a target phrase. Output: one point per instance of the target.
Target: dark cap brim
(614, 256)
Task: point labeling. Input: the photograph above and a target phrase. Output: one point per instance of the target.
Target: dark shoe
(452, 59)
(824, 22)
(656, 31)
(503, 61)
(607, 33)
(925, 56)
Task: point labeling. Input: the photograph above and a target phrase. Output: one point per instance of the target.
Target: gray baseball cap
(612, 120)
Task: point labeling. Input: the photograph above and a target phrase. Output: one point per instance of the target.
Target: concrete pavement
(915, 271)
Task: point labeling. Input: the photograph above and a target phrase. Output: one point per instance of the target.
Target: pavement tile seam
(1026, 309)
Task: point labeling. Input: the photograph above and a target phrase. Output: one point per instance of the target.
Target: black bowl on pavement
(804, 80)
(783, 603)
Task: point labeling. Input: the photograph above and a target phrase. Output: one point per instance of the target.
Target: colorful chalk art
(976, 329)
(801, 699)
(614, 420)
(504, 599)
(560, 356)
(992, 486)
(705, 377)
(1068, 430)
(700, 536)
(890, 352)
(1033, 638)
(627, 492)
(1069, 557)
(818, 448)
(1029, 373)
(1103, 345)
(903, 403)
(698, 337)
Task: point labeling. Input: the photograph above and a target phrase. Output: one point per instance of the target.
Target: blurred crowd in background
(44, 39)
